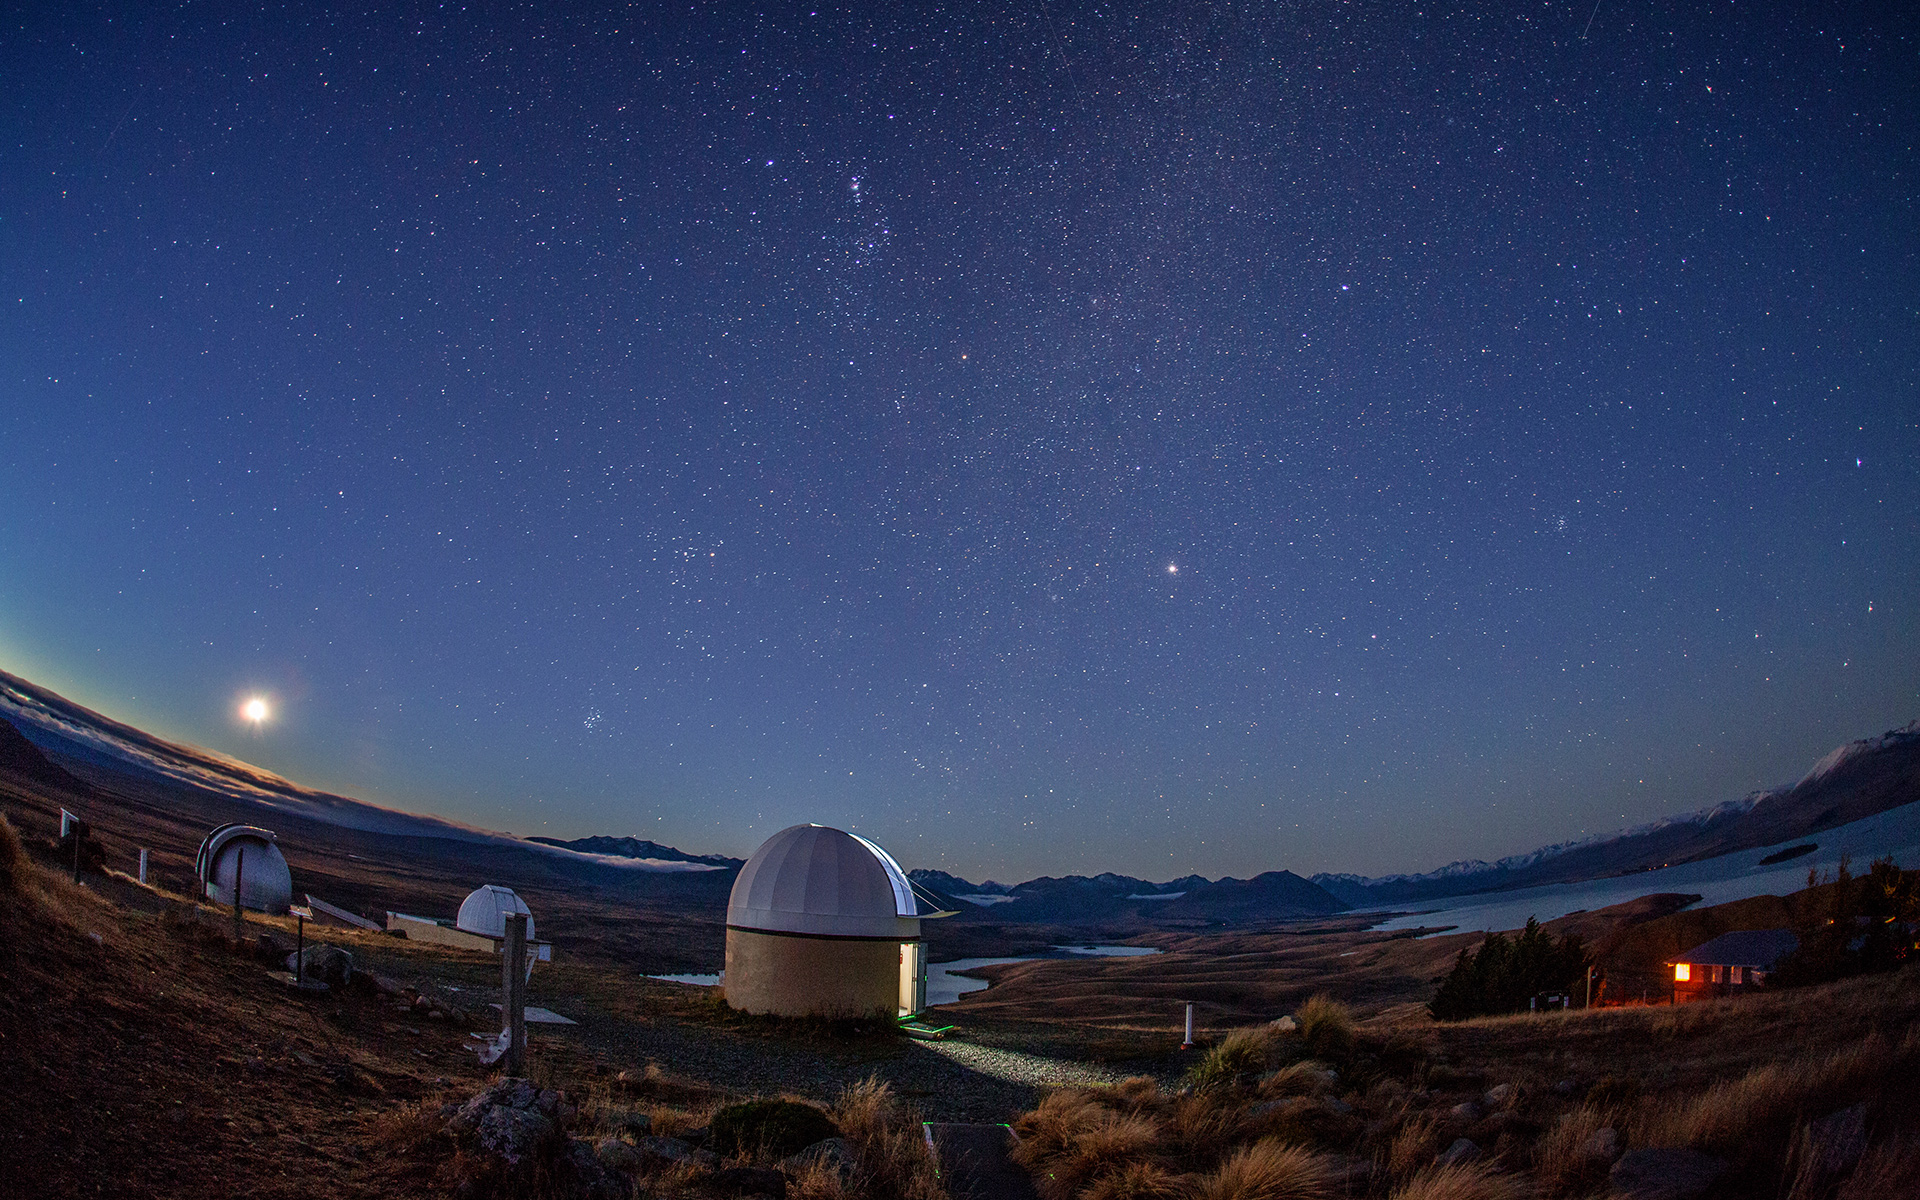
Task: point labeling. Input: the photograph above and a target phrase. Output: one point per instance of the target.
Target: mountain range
(48, 738)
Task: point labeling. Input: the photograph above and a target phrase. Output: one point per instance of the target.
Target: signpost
(300, 914)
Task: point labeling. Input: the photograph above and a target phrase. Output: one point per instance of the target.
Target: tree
(1506, 974)
(1861, 925)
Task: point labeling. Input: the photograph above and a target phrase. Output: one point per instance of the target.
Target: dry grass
(13, 859)
(1754, 1115)
(895, 1161)
(1072, 1139)
(1413, 1146)
(1463, 1182)
(1306, 1078)
(1267, 1170)
(1326, 1025)
(1889, 1169)
(1562, 1164)
(1138, 1181)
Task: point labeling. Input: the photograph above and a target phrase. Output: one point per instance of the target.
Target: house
(1729, 964)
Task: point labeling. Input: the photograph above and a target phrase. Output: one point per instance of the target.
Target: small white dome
(485, 910)
(815, 880)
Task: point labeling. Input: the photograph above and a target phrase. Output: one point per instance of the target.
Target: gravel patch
(1030, 1069)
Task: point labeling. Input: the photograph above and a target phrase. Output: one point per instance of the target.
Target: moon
(255, 709)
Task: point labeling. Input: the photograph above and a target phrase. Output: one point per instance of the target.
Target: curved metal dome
(266, 883)
(485, 910)
(810, 879)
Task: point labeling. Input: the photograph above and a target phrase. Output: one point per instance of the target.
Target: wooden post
(300, 948)
(143, 865)
(239, 870)
(514, 1002)
(79, 835)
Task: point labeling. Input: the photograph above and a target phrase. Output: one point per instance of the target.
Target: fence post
(514, 1001)
(143, 865)
(1187, 1044)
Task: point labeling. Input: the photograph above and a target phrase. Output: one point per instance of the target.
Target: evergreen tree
(1506, 974)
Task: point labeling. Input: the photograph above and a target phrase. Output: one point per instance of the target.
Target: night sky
(1062, 437)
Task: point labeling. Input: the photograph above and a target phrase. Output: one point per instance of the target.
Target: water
(695, 980)
(1730, 877)
(944, 987)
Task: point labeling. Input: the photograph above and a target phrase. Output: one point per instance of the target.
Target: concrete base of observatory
(804, 975)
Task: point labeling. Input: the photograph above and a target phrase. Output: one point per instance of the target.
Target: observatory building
(824, 923)
(266, 885)
(481, 924)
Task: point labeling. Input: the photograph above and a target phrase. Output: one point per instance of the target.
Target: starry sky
(1044, 438)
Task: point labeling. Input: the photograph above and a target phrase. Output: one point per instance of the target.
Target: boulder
(329, 964)
(512, 1120)
(582, 1176)
(1497, 1097)
(666, 1151)
(1664, 1174)
(834, 1152)
(1602, 1145)
(630, 1122)
(1467, 1110)
(1462, 1151)
(616, 1155)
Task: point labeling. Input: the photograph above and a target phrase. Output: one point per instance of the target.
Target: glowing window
(1682, 972)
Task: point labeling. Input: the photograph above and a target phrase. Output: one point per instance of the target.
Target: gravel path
(1029, 1069)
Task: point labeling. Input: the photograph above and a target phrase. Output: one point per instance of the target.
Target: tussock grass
(1326, 1025)
(1138, 1181)
(1561, 1164)
(1413, 1146)
(1308, 1077)
(1072, 1139)
(1754, 1115)
(13, 859)
(895, 1161)
(1267, 1170)
(1463, 1182)
(1890, 1169)
(1242, 1053)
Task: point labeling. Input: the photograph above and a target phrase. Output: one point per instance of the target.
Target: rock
(584, 1177)
(1602, 1145)
(833, 1152)
(628, 1121)
(1664, 1174)
(1285, 1025)
(1566, 1087)
(514, 1134)
(329, 964)
(1336, 1104)
(671, 1151)
(748, 1181)
(1462, 1151)
(1498, 1096)
(616, 1155)
(1468, 1111)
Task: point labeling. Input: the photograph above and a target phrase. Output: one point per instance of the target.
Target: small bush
(774, 1127)
(1267, 1170)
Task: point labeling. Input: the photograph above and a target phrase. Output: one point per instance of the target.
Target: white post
(66, 823)
(1188, 1043)
(143, 864)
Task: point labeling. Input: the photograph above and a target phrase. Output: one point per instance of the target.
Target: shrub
(1267, 1170)
(775, 1127)
(1137, 1181)
(1505, 974)
(1866, 925)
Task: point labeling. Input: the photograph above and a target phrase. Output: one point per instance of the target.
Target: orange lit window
(1681, 972)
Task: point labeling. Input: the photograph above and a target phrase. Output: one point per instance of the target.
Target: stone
(747, 1181)
(1285, 1025)
(629, 1121)
(514, 1134)
(1664, 1174)
(1336, 1104)
(1462, 1151)
(329, 964)
(616, 1155)
(1566, 1087)
(672, 1151)
(1498, 1096)
(1467, 1110)
(1602, 1145)
(833, 1151)
(581, 1168)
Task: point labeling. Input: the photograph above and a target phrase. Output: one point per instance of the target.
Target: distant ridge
(1275, 895)
(1850, 783)
(632, 847)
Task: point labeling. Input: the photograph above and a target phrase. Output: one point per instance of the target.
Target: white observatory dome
(266, 883)
(485, 910)
(814, 880)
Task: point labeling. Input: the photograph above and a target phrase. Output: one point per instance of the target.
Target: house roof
(1756, 948)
